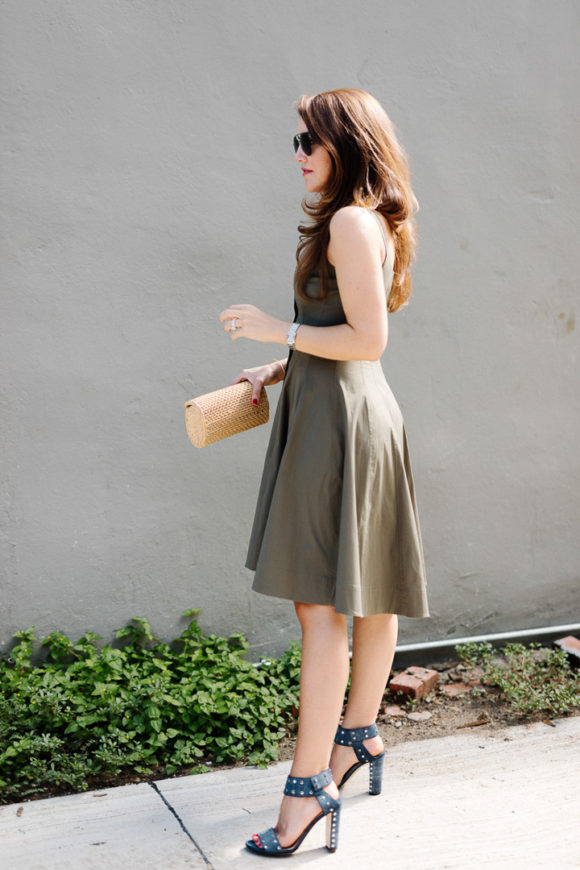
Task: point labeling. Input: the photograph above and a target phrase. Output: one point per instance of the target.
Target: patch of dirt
(462, 703)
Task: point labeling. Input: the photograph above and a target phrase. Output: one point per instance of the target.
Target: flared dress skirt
(336, 521)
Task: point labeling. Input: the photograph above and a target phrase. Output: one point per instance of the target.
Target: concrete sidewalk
(467, 801)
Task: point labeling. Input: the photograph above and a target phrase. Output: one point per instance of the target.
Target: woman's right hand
(261, 376)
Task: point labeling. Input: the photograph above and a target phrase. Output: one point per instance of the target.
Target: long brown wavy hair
(369, 169)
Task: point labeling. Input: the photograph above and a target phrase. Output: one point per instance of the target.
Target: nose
(300, 156)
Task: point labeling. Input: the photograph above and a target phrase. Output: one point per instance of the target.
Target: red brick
(416, 682)
(454, 689)
(569, 642)
(393, 710)
(428, 677)
(570, 645)
(406, 684)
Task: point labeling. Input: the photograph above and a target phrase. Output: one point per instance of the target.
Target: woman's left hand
(247, 321)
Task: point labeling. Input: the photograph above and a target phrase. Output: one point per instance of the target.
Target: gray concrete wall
(148, 181)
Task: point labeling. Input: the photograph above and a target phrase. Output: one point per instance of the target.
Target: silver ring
(233, 324)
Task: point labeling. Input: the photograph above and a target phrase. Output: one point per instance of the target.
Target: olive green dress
(336, 521)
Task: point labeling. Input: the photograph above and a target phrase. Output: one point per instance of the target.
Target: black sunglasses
(304, 140)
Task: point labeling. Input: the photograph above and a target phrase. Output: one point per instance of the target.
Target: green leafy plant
(141, 707)
(532, 678)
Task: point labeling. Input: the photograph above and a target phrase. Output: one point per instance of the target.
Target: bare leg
(373, 647)
(323, 678)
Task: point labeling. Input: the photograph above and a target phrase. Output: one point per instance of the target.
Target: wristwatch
(291, 337)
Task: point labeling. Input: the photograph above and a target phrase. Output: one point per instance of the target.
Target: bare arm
(356, 250)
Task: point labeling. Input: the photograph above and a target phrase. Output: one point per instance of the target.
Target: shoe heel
(376, 774)
(332, 823)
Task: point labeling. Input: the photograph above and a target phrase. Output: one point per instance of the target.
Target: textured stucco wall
(148, 181)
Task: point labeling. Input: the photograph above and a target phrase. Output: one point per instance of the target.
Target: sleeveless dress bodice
(336, 521)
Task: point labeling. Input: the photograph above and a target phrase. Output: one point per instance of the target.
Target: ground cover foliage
(532, 678)
(142, 706)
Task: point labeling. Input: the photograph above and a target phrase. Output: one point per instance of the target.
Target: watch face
(291, 337)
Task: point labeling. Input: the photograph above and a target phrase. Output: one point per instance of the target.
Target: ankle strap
(307, 786)
(313, 786)
(355, 736)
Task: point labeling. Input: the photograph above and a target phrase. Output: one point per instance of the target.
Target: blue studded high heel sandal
(297, 786)
(354, 737)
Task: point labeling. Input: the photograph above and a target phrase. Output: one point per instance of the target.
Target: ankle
(307, 771)
(354, 722)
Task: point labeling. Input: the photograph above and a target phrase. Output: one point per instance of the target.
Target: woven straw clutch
(225, 412)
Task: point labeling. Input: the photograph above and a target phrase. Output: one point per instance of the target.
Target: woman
(336, 528)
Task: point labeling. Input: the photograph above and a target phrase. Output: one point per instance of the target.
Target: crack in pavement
(183, 828)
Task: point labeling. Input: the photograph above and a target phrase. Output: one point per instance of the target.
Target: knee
(303, 612)
(316, 615)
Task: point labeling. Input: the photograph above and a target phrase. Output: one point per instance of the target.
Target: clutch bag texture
(224, 412)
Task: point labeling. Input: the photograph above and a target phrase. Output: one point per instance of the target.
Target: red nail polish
(254, 401)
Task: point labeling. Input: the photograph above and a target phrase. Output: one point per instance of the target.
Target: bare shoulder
(352, 219)
(354, 229)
